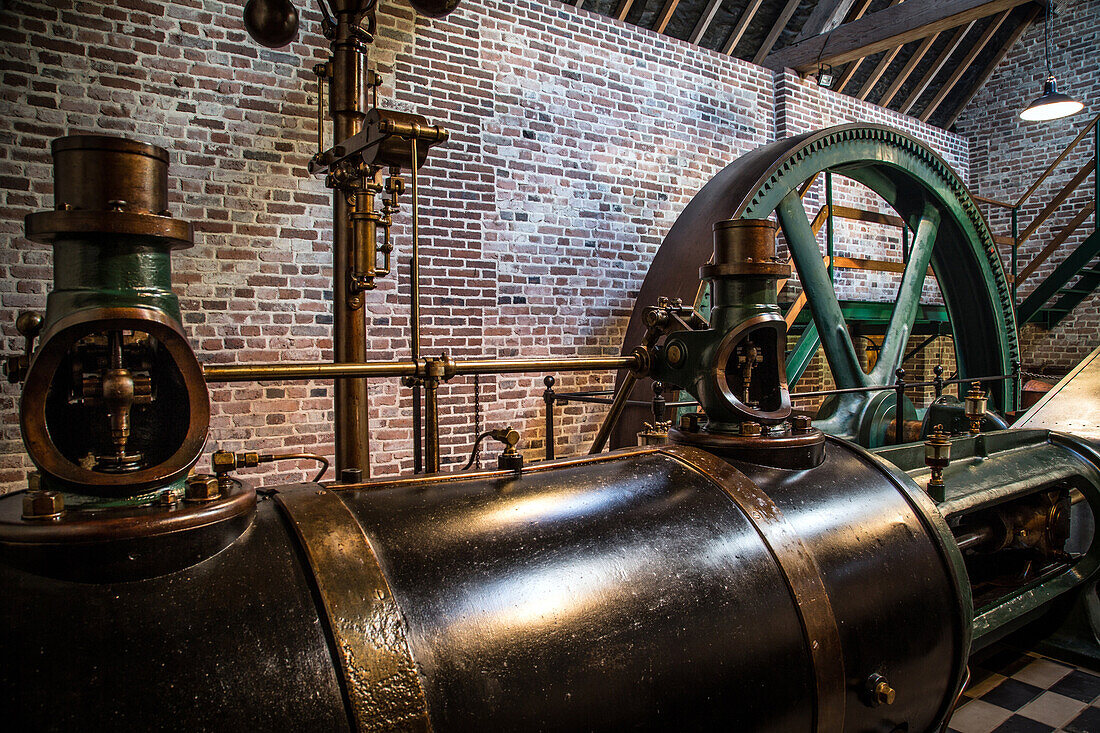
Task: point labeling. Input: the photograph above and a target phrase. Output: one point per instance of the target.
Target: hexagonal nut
(801, 424)
(884, 693)
(751, 429)
(202, 487)
(39, 505)
(223, 461)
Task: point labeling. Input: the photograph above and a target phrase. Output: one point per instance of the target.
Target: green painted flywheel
(950, 235)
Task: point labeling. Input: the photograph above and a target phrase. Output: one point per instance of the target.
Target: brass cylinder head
(744, 247)
(104, 173)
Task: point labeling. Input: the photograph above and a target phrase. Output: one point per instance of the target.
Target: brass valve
(224, 462)
(510, 459)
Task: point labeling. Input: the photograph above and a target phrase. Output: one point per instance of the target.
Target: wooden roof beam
(665, 15)
(742, 25)
(963, 65)
(853, 67)
(907, 70)
(992, 65)
(826, 15)
(777, 28)
(886, 29)
(877, 73)
(937, 66)
(705, 20)
(624, 8)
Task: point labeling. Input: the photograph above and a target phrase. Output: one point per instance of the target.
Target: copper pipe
(347, 103)
(323, 370)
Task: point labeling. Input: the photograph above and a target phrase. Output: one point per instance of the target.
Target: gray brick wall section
(576, 141)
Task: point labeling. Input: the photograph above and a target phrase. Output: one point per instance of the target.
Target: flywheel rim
(897, 167)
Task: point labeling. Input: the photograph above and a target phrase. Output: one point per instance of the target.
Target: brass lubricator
(975, 407)
(735, 368)
(937, 456)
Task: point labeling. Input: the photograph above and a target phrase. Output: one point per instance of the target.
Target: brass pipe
(347, 105)
(526, 366)
(319, 370)
(414, 277)
(324, 370)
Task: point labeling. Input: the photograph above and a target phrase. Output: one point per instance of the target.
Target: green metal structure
(948, 233)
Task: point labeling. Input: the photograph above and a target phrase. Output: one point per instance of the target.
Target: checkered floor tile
(1010, 692)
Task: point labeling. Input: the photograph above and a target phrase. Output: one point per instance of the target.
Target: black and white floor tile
(1010, 692)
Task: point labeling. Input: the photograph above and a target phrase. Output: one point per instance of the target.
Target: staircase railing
(1074, 264)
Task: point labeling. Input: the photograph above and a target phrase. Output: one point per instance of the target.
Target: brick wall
(576, 140)
(1009, 154)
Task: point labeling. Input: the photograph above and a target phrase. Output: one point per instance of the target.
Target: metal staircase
(1077, 276)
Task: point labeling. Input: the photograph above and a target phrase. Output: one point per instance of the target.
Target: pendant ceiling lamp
(1051, 104)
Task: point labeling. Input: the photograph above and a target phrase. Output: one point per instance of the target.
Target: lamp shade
(1051, 104)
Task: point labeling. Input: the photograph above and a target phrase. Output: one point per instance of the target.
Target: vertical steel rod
(905, 243)
(1096, 176)
(417, 429)
(548, 399)
(899, 402)
(1015, 253)
(431, 424)
(829, 222)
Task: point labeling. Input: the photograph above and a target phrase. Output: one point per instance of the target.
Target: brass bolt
(674, 354)
(879, 691)
(689, 422)
(41, 505)
(801, 424)
(751, 429)
(884, 693)
(202, 487)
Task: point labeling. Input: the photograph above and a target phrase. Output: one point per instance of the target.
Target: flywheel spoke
(828, 317)
(908, 300)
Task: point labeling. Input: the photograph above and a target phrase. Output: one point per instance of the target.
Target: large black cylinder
(654, 588)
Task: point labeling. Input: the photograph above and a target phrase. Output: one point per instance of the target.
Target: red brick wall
(1008, 155)
(575, 142)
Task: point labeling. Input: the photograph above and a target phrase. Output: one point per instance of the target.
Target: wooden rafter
(742, 25)
(992, 65)
(705, 20)
(624, 8)
(851, 69)
(963, 65)
(665, 15)
(826, 15)
(907, 70)
(879, 70)
(885, 29)
(937, 66)
(777, 28)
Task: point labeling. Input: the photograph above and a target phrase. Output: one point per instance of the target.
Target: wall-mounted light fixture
(1051, 104)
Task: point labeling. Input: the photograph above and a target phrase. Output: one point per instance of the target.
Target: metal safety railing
(1076, 262)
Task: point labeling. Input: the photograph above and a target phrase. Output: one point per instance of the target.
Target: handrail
(1055, 243)
(1050, 169)
(1057, 201)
